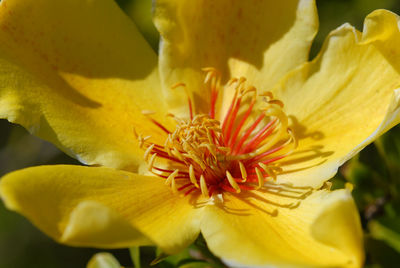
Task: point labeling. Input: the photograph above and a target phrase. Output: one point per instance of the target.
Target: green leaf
(103, 260)
(380, 255)
(388, 146)
(135, 256)
(161, 256)
(387, 230)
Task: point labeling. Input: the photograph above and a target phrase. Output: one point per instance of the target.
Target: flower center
(240, 152)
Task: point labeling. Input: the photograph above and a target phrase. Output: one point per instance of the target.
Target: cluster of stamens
(209, 156)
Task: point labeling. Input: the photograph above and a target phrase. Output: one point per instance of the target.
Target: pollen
(236, 150)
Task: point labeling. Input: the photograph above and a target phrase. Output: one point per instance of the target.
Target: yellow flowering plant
(229, 131)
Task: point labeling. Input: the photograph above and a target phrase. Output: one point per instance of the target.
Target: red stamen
(190, 108)
(245, 187)
(184, 186)
(273, 159)
(169, 170)
(232, 119)
(214, 97)
(258, 138)
(228, 113)
(239, 127)
(260, 156)
(211, 190)
(160, 126)
(247, 133)
(166, 156)
(189, 191)
(227, 188)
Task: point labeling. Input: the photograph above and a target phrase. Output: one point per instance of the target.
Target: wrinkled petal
(323, 230)
(343, 100)
(101, 207)
(78, 73)
(263, 40)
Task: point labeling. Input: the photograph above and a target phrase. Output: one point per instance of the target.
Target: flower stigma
(238, 153)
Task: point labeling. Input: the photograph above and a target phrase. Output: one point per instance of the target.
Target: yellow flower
(79, 74)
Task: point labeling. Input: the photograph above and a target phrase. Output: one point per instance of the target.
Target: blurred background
(375, 172)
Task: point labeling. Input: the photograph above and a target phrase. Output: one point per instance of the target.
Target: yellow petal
(78, 73)
(263, 40)
(323, 230)
(344, 99)
(92, 223)
(101, 207)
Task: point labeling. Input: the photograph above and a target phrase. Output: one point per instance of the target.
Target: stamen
(148, 151)
(178, 85)
(243, 172)
(269, 171)
(232, 182)
(203, 155)
(192, 176)
(148, 112)
(203, 186)
(188, 97)
(171, 181)
(277, 102)
(260, 178)
(151, 162)
(159, 125)
(171, 177)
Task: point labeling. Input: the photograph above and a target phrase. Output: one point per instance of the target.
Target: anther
(151, 162)
(267, 94)
(175, 152)
(277, 102)
(203, 186)
(140, 141)
(270, 171)
(192, 176)
(178, 85)
(232, 182)
(171, 177)
(293, 138)
(148, 151)
(148, 112)
(249, 89)
(260, 178)
(135, 133)
(173, 186)
(243, 171)
(232, 81)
